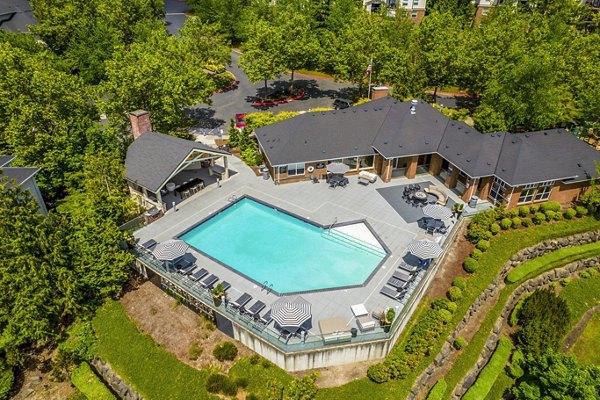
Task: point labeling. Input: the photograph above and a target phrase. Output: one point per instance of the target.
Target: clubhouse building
(394, 138)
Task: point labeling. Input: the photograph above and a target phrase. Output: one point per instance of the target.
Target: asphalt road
(224, 106)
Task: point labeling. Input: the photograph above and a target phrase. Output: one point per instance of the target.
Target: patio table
(420, 195)
(186, 186)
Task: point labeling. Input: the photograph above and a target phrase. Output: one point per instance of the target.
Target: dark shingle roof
(15, 15)
(153, 157)
(405, 134)
(545, 155)
(474, 153)
(5, 160)
(18, 174)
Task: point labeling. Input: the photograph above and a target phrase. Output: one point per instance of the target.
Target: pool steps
(351, 241)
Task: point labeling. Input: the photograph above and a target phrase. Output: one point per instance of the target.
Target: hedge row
(437, 391)
(487, 224)
(490, 372)
(552, 260)
(86, 381)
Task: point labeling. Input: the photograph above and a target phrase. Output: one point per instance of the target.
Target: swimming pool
(293, 255)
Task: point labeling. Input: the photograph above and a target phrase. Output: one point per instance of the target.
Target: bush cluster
(516, 222)
(225, 351)
(490, 372)
(476, 254)
(460, 283)
(460, 342)
(470, 265)
(495, 228)
(219, 383)
(483, 245)
(505, 224)
(570, 213)
(454, 293)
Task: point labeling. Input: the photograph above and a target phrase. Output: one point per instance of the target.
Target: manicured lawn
(152, 371)
(259, 375)
(553, 260)
(437, 391)
(502, 247)
(581, 295)
(587, 345)
(490, 372)
(503, 382)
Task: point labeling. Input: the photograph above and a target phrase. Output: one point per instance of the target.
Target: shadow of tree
(203, 118)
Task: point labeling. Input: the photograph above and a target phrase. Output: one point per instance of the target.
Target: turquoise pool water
(265, 244)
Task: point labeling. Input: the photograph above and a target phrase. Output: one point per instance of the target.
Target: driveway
(175, 15)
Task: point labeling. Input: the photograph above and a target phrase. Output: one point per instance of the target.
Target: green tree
(557, 376)
(303, 388)
(262, 59)
(591, 199)
(231, 17)
(544, 319)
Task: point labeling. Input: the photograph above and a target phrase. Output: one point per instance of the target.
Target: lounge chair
(255, 309)
(397, 283)
(150, 244)
(391, 293)
(209, 281)
(408, 268)
(188, 270)
(196, 275)
(240, 301)
(265, 319)
(365, 323)
(403, 276)
(226, 285)
(183, 263)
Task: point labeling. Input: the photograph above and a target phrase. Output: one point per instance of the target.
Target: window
(283, 169)
(365, 161)
(544, 190)
(415, 2)
(405, 3)
(498, 191)
(350, 162)
(413, 14)
(295, 169)
(527, 193)
(484, 11)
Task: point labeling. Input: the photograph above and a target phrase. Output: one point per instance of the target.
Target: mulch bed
(298, 96)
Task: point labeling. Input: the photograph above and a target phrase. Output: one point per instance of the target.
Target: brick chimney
(140, 123)
(378, 92)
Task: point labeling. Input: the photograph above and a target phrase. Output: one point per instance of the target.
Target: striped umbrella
(170, 249)
(424, 249)
(437, 211)
(291, 312)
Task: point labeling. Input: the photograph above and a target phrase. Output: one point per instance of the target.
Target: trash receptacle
(353, 332)
(265, 173)
(473, 201)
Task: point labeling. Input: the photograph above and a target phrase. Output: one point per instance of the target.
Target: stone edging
(525, 288)
(490, 292)
(118, 386)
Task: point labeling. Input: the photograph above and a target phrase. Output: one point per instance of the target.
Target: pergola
(154, 159)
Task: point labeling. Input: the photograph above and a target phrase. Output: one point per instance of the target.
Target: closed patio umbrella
(424, 249)
(291, 313)
(337, 168)
(437, 211)
(170, 249)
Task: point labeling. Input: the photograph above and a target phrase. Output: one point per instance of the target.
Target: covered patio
(162, 170)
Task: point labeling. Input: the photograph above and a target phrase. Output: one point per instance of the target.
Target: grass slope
(581, 295)
(587, 345)
(86, 381)
(152, 371)
(487, 377)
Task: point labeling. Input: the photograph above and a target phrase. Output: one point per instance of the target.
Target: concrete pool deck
(318, 203)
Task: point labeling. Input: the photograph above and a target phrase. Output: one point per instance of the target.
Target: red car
(240, 121)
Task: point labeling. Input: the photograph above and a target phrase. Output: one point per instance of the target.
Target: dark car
(340, 104)
(240, 121)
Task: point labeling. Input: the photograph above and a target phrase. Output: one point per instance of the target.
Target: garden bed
(225, 81)
(279, 98)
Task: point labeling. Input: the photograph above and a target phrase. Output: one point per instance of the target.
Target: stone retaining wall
(118, 386)
(489, 293)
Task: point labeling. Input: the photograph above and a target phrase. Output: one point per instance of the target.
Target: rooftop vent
(323, 151)
(384, 142)
(306, 142)
(413, 110)
(527, 135)
(400, 145)
(492, 135)
(579, 165)
(426, 142)
(447, 146)
(514, 140)
(545, 133)
(468, 160)
(414, 101)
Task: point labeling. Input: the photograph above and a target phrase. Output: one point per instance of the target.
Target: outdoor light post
(174, 207)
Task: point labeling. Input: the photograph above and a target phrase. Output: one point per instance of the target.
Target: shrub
(194, 351)
(581, 211)
(251, 156)
(219, 383)
(476, 254)
(460, 342)
(534, 209)
(225, 351)
(460, 283)
(252, 396)
(516, 222)
(470, 265)
(445, 315)
(444, 304)
(490, 372)
(526, 221)
(505, 224)
(241, 382)
(514, 315)
(480, 225)
(592, 272)
(523, 211)
(585, 275)
(483, 245)
(550, 215)
(7, 379)
(495, 228)
(303, 388)
(513, 213)
(438, 390)
(379, 373)
(539, 218)
(515, 371)
(254, 359)
(550, 206)
(565, 282)
(88, 383)
(454, 293)
(570, 213)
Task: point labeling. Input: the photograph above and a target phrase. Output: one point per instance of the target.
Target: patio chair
(403, 276)
(411, 269)
(226, 285)
(392, 293)
(209, 281)
(254, 309)
(265, 319)
(196, 275)
(185, 194)
(398, 284)
(149, 245)
(240, 301)
(363, 319)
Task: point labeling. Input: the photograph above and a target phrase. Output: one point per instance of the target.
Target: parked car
(340, 104)
(240, 121)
